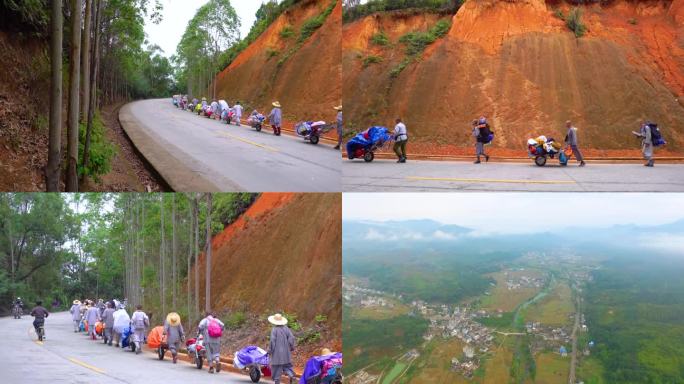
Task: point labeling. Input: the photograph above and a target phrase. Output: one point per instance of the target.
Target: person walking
(173, 330)
(280, 348)
(76, 315)
(100, 307)
(339, 126)
(275, 118)
(646, 143)
(108, 320)
(400, 139)
(481, 132)
(139, 324)
(238, 112)
(121, 322)
(212, 329)
(92, 317)
(571, 140)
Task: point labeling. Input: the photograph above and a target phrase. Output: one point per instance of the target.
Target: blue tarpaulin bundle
(250, 355)
(315, 365)
(126, 337)
(367, 138)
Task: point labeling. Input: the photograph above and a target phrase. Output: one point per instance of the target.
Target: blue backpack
(656, 137)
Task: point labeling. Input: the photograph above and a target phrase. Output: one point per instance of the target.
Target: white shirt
(238, 110)
(400, 132)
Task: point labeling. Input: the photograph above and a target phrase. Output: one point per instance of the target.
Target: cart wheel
(161, 352)
(258, 128)
(255, 374)
(540, 160)
(314, 139)
(368, 157)
(132, 345)
(199, 362)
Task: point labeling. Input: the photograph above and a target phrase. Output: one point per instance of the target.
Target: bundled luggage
(326, 368)
(367, 142)
(253, 359)
(312, 130)
(154, 338)
(542, 148)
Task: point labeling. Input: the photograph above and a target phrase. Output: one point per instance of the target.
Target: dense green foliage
(416, 42)
(101, 150)
(574, 22)
(380, 38)
(308, 28)
(634, 308)
(67, 246)
(379, 337)
(373, 6)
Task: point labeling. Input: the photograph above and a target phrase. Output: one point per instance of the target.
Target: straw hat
(326, 351)
(277, 319)
(77, 302)
(173, 319)
(276, 104)
(338, 108)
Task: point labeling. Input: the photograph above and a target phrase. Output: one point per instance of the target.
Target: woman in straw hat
(76, 314)
(173, 330)
(276, 117)
(280, 348)
(339, 126)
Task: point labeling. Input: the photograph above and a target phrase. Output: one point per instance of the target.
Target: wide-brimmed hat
(277, 319)
(338, 108)
(276, 104)
(173, 319)
(77, 302)
(326, 351)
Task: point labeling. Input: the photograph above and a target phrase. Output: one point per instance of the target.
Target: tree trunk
(85, 61)
(72, 123)
(174, 269)
(55, 146)
(191, 221)
(162, 252)
(207, 278)
(196, 214)
(92, 97)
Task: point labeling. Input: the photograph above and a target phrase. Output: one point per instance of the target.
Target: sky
(517, 212)
(177, 14)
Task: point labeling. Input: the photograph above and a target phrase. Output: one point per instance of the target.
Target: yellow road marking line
(38, 342)
(82, 364)
(266, 147)
(492, 180)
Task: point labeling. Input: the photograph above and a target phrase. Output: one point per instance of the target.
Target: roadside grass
(590, 370)
(552, 368)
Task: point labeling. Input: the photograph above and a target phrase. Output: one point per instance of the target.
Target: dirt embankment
(520, 65)
(282, 255)
(306, 83)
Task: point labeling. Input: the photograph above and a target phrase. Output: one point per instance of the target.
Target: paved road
(66, 357)
(197, 154)
(387, 175)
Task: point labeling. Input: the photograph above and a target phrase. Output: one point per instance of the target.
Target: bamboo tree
(196, 213)
(72, 118)
(92, 97)
(162, 251)
(174, 277)
(190, 241)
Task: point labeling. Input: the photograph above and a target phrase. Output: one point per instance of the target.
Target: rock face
(519, 64)
(306, 83)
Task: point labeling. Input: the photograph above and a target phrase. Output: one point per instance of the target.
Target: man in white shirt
(400, 139)
(238, 112)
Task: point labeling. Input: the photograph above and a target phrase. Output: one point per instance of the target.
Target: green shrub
(559, 13)
(310, 336)
(287, 32)
(373, 6)
(400, 67)
(370, 59)
(292, 321)
(379, 39)
(321, 318)
(270, 52)
(101, 150)
(574, 22)
(312, 24)
(236, 320)
(416, 42)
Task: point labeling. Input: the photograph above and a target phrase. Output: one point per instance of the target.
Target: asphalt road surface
(68, 357)
(387, 175)
(197, 153)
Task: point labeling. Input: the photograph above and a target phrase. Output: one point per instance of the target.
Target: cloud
(443, 235)
(663, 242)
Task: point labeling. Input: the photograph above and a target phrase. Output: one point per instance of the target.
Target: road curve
(68, 357)
(196, 154)
(416, 176)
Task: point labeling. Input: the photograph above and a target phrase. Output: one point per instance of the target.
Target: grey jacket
(275, 117)
(173, 334)
(281, 346)
(75, 312)
(203, 328)
(571, 138)
(92, 316)
(108, 317)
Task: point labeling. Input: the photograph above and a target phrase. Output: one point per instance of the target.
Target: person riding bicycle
(40, 313)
